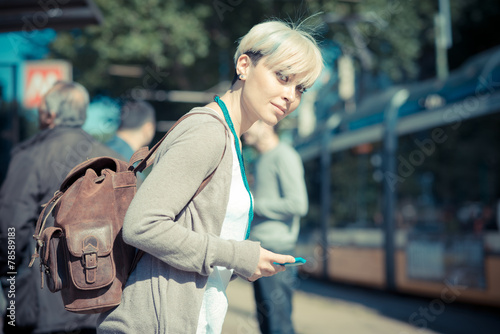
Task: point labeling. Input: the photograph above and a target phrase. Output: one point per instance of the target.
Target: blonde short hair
(288, 48)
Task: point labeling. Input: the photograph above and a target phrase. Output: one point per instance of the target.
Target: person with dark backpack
(38, 167)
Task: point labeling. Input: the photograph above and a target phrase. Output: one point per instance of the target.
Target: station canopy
(30, 15)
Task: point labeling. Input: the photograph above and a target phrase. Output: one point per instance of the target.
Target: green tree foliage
(189, 44)
(161, 35)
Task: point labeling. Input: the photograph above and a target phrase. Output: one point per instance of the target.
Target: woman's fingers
(269, 264)
(284, 258)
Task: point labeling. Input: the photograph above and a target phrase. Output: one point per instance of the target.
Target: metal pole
(445, 13)
(441, 51)
(390, 172)
(443, 38)
(325, 197)
(326, 160)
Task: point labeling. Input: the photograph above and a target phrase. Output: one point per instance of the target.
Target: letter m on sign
(39, 76)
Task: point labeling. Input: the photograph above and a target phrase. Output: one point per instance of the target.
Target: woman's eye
(301, 89)
(282, 77)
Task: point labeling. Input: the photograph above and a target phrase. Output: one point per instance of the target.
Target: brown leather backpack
(83, 255)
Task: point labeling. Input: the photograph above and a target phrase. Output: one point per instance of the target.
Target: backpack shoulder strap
(40, 224)
(149, 158)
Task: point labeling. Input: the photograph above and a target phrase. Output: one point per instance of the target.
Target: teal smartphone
(298, 262)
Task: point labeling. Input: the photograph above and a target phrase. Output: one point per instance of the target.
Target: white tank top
(215, 304)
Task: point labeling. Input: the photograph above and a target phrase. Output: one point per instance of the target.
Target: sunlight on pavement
(313, 314)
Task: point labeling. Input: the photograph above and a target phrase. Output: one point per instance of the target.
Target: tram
(405, 192)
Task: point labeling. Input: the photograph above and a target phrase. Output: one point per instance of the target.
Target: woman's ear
(243, 64)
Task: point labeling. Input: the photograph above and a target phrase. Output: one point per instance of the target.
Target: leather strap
(149, 158)
(89, 258)
(42, 219)
(138, 155)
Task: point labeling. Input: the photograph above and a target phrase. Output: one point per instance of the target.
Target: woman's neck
(239, 118)
(233, 103)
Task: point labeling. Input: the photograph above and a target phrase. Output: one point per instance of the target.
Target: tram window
(449, 177)
(355, 189)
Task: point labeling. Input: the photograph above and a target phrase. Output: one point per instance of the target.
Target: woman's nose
(289, 93)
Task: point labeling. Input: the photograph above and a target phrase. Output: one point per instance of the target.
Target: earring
(241, 77)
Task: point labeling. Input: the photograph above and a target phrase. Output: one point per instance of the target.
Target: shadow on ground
(421, 312)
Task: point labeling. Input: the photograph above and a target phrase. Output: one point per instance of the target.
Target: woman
(195, 245)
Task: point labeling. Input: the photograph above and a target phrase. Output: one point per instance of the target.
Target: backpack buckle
(89, 252)
(89, 258)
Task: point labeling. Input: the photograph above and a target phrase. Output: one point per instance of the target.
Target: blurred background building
(400, 135)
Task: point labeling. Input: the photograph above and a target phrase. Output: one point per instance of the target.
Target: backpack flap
(90, 263)
(52, 259)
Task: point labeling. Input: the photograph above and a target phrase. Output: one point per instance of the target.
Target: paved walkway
(313, 314)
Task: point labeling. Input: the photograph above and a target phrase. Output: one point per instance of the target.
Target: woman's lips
(281, 109)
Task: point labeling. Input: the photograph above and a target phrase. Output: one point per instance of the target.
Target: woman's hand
(266, 266)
